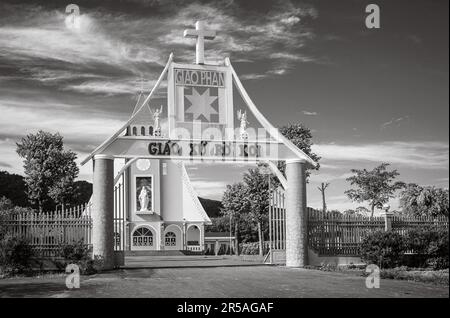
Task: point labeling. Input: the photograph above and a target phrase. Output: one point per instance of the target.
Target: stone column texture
(296, 215)
(103, 210)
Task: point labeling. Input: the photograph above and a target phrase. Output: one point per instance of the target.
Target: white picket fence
(47, 231)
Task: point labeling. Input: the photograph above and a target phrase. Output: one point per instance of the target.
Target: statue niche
(144, 194)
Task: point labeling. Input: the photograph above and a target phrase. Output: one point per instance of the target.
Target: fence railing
(334, 234)
(47, 231)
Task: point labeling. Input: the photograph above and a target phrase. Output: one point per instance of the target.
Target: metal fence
(47, 231)
(337, 234)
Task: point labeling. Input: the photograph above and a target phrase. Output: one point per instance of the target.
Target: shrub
(384, 249)
(430, 246)
(15, 254)
(75, 251)
(252, 248)
(78, 253)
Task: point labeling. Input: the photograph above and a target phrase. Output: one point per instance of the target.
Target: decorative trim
(176, 225)
(193, 193)
(296, 160)
(105, 157)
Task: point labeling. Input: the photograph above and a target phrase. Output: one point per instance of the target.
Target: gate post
(296, 214)
(103, 210)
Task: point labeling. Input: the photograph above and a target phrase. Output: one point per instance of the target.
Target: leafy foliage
(50, 170)
(15, 254)
(219, 224)
(252, 248)
(431, 246)
(301, 137)
(7, 208)
(376, 186)
(383, 249)
(235, 204)
(78, 253)
(424, 201)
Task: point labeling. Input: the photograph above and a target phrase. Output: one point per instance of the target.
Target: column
(296, 215)
(103, 210)
(388, 216)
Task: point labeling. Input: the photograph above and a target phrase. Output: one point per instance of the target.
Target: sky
(368, 95)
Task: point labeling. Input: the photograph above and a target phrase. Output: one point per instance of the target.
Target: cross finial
(200, 34)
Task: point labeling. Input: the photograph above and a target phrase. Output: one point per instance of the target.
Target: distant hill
(212, 207)
(13, 187)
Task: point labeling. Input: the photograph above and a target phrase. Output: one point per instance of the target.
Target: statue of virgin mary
(143, 199)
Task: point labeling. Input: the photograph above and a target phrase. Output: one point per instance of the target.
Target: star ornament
(201, 105)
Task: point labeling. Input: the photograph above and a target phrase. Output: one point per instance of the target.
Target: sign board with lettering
(185, 149)
(199, 97)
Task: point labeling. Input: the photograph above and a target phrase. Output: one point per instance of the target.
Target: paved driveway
(247, 281)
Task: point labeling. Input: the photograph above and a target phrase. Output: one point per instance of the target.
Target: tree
(82, 192)
(235, 203)
(424, 201)
(49, 169)
(219, 224)
(66, 170)
(359, 211)
(322, 189)
(301, 137)
(258, 195)
(376, 186)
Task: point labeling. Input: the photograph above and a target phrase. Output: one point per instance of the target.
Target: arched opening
(193, 236)
(173, 237)
(142, 131)
(134, 131)
(150, 130)
(142, 237)
(170, 239)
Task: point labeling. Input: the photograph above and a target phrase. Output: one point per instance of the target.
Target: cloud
(290, 20)
(5, 164)
(424, 155)
(210, 189)
(110, 51)
(252, 76)
(308, 113)
(82, 131)
(394, 121)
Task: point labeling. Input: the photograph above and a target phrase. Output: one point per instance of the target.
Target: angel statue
(156, 125)
(242, 116)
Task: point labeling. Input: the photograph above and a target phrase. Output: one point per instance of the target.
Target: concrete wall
(171, 193)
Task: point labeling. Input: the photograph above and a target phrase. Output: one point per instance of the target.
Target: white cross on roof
(200, 34)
